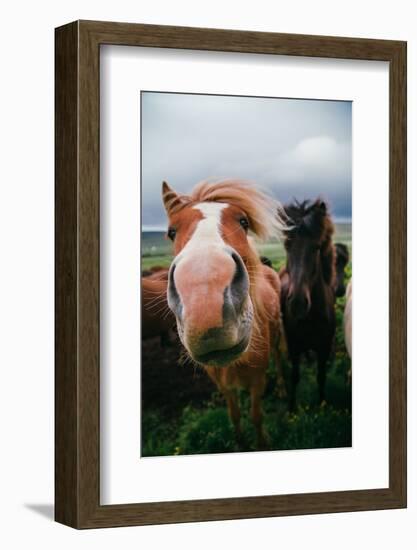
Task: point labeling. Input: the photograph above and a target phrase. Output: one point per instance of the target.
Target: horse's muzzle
(222, 357)
(209, 295)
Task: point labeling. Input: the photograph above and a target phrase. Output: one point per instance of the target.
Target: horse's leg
(295, 378)
(234, 412)
(278, 350)
(256, 413)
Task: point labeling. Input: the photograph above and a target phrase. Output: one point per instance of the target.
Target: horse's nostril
(240, 272)
(174, 300)
(171, 280)
(240, 281)
(239, 286)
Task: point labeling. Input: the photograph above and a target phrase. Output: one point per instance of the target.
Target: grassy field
(191, 418)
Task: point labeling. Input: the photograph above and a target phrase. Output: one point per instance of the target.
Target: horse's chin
(232, 343)
(222, 357)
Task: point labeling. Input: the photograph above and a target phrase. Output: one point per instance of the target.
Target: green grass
(206, 428)
(156, 249)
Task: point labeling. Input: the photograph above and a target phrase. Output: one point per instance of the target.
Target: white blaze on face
(204, 264)
(207, 233)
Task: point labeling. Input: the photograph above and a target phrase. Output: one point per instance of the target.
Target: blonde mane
(266, 215)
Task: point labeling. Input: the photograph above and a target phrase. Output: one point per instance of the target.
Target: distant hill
(155, 243)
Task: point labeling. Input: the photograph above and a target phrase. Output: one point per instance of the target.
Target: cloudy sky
(294, 148)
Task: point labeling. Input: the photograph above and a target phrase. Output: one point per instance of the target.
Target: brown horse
(225, 301)
(154, 269)
(308, 289)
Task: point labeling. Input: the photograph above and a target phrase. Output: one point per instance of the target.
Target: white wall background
(27, 260)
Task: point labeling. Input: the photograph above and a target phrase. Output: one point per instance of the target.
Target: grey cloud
(295, 148)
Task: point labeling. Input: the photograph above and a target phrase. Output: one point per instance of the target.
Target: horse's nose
(234, 292)
(299, 305)
(208, 293)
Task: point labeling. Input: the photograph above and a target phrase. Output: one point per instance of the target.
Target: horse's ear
(169, 197)
(323, 206)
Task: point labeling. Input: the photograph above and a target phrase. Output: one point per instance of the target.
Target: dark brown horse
(308, 289)
(342, 259)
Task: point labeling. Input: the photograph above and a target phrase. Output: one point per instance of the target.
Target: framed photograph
(217, 192)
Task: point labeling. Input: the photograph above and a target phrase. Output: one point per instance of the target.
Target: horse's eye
(171, 233)
(244, 223)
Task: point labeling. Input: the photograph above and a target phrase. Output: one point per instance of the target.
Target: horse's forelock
(312, 215)
(265, 214)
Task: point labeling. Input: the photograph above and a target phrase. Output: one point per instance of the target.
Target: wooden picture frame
(77, 373)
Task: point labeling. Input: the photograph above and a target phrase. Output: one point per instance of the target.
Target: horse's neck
(263, 294)
(323, 288)
(327, 264)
